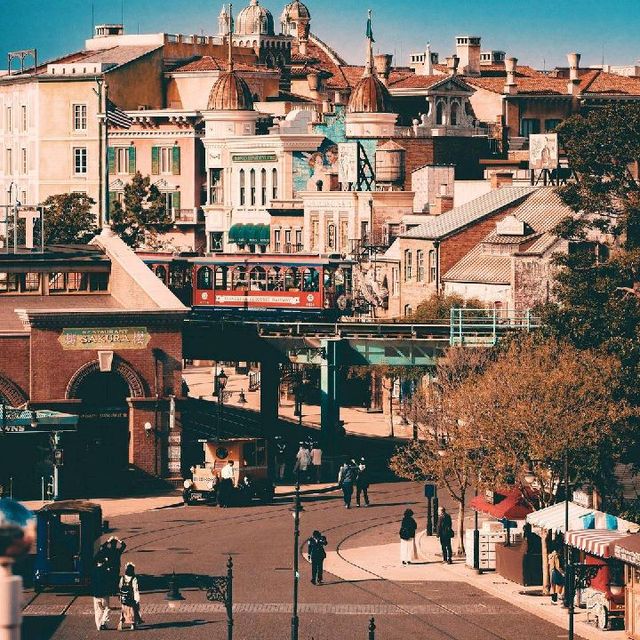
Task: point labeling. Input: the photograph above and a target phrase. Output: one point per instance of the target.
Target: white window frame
(121, 159)
(80, 161)
(9, 121)
(24, 161)
(166, 160)
(8, 160)
(79, 115)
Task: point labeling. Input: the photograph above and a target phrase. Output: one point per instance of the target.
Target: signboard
(214, 158)
(430, 490)
(41, 428)
(254, 157)
(627, 555)
(347, 162)
(543, 151)
(119, 338)
(259, 299)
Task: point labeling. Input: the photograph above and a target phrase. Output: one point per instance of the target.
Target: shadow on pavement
(178, 625)
(40, 627)
(189, 581)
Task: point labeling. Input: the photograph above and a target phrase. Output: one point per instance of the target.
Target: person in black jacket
(315, 549)
(408, 538)
(445, 534)
(101, 588)
(347, 477)
(362, 483)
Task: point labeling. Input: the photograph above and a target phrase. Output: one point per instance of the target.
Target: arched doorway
(98, 454)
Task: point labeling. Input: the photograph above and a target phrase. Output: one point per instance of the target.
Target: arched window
(257, 279)
(221, 278)
(204, 278)
(274, 184)
(292, 280)
(275, 279)
(440, 113)
(263, 187)
(242, 188)
(252, 185)
(161, 272)
(454, 113)
(239, 278)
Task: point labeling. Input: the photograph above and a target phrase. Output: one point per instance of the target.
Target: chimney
(427, 67)
(313, 80)
(501, 179)
(574, 75)
(452, 64)
(382, 63)
(468, 50)
(443, 202)
(302, 47)
(510, 85)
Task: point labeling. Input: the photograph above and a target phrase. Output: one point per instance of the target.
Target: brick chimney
(501, 179)
(510, 85)
(574, 73)
(452, 64)
(443, 202)
(382, 62)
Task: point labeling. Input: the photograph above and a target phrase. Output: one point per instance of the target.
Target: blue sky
(536, 32)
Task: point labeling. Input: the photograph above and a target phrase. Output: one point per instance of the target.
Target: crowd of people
(106, 582)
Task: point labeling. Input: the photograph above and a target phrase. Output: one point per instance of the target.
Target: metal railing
(187, 216)
(484, 326)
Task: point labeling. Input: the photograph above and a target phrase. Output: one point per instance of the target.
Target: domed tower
(254, 20)
(296, 21)
(369, 109)
(230, 108)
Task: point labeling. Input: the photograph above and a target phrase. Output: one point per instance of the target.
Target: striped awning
(597, 542)
(553, 518)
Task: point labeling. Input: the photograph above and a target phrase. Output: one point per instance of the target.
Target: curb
(307, 492)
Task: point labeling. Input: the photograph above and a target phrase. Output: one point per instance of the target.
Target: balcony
(187, 216)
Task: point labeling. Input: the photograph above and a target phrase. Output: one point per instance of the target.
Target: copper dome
(230, 93)
(370, 96)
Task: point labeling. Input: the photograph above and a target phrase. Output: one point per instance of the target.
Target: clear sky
(537, 32)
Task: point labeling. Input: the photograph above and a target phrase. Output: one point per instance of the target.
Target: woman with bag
(557, 576)
(408, 538)
(129, 593)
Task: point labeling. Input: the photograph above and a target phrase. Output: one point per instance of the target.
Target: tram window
(258, 279)
(239, 278)
(292, 280)
(204, 278)
(57, 282)
(32, 282)
(274, 281)
(339, 281)
(310, 280)
(221, 279)
(161, 272)
(328, 279)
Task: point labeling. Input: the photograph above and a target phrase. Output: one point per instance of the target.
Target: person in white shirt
(303, 460)
(225, 489)
(316, 461)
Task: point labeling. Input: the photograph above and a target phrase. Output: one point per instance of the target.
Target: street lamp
(297, 508)
(221, 379)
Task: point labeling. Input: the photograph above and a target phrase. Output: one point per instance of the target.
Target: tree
(446, 450)
(539, 401)
(438, 307)
(69, 219)
(142, 214)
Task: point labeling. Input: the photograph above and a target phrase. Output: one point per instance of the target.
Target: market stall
(627, 551)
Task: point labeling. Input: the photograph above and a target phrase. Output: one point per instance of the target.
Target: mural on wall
(318, 171)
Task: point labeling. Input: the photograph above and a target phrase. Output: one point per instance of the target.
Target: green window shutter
(111, 156)
(132, 159)
(175, 200)
(175, 165)
(113, 197)
(155, 160)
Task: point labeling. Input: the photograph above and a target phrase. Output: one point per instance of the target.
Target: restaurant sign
(254, 157)
(104, 338)
(627, 555)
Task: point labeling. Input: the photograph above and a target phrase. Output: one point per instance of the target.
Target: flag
(117, 117)
(369, 33)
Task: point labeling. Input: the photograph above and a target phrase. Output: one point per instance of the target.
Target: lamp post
(222, 378)
(297, 508)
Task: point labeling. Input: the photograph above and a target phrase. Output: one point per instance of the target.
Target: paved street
(196, 541)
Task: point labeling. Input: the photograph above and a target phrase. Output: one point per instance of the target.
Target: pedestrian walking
(556, 574)
(445, 534)
(408, 529)
(316, 462)
(114, 549)
(129, 593)
(347, 477)
(281, 457)
(225, 488)
(362, 483)
(316, 553)
(303, 460)
(101, 592)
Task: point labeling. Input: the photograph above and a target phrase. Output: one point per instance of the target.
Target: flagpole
(98, 92)
(105, 159)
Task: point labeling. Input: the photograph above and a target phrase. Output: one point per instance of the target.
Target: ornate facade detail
(12, 393)
(136, 384)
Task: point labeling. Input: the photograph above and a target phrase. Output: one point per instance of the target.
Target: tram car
(317, 286)
(251, 479)
(68, 539)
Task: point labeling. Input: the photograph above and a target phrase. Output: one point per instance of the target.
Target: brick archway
(128, 373)
(12, 393)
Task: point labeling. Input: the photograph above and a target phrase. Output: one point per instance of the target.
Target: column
(329, 395)
(269, 391)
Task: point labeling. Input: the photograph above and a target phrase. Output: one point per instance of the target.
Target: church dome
(230, 93)
(254, 20)
(370, 96)
(296, 11)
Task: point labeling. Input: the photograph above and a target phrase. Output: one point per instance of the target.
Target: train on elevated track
(303, 286)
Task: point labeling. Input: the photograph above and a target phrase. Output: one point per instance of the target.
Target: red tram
(259, 282)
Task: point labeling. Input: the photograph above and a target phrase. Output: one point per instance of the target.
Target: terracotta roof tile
(611, 83)
(209, 63)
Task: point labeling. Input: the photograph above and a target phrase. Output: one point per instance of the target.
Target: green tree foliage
(438, 307)
(68, 219)
(142, 214)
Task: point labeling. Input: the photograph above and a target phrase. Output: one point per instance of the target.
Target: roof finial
(229, 34)
(369, 67)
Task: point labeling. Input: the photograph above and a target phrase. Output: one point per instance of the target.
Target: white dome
(254, 20)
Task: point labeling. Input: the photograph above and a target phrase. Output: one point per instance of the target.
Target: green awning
(234, 233)
(264, 234)
(251, 233)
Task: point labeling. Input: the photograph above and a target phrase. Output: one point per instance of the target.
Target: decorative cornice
(98, 317)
